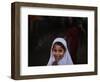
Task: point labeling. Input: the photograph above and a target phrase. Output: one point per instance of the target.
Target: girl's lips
(57, 58)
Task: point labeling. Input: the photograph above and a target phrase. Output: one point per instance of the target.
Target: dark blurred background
(42, 30)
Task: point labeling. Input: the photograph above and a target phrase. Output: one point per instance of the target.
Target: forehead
(56, 46)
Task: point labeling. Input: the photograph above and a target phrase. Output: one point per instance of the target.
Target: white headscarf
(66, 60)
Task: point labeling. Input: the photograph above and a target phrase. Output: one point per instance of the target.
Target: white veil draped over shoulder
(66, 60)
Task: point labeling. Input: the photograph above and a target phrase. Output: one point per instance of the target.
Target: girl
(59, 53)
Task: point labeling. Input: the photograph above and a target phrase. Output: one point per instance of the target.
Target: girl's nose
(57, 53)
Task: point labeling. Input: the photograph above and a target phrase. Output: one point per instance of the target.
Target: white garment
(66, 60)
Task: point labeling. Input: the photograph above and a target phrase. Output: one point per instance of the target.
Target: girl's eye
(54, 50)
(60, 50)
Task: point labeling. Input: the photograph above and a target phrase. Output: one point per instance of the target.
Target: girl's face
(58, 52)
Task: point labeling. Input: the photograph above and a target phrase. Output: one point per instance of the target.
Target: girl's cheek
(53, 53)
(61, 54)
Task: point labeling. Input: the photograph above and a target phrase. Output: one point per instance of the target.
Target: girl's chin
(58, 59)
